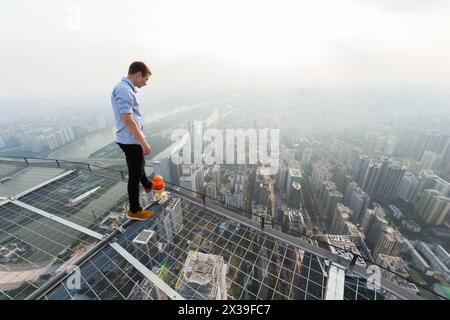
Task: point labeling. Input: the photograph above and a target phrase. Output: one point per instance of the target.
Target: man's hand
(146, 148)
(137, 134)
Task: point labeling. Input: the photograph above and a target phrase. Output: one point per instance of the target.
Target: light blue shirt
(123, 99)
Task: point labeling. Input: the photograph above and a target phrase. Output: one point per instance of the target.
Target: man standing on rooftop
(130, 135)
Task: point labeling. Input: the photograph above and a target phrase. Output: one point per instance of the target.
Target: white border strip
(17, 196)
(65, 222)
(172, 294)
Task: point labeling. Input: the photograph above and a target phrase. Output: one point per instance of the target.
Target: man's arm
(137, 134)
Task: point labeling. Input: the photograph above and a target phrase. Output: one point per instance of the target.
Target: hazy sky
(82, 48)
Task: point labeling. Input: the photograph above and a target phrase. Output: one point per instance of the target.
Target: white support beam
(335, 282)
(172, 294)
(3, 200)
(60, 220)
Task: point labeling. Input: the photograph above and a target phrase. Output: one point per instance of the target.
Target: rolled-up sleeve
(124, 101)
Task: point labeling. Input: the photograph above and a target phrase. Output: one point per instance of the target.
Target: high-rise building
(371, 179)
(433, 207)
(445, 163)
(282, 179)
(287, 155)
(394, 266)
(192, 177)
(391, 263)
(164, 227)
(295, 195)
(331, 201)
(199, 177)
(344, 246)
(294, 220)
(188, 183)
(424, 201)
(429, 140)
(416, 258)
(352, 230)
(238, 198)
(235, 199)
(437, 264)
(395, 212)
(429, 180)
(390, 242)
(162, 167)
(329, 197)
(357, 200)
(430, 161)
(442, 254)
(325, 186)
(211, 190)
(420, 143)
(217, 176)
(360, 175)
(146, 242)
(229, 198)
(408, 187)
(175, 172)
(341, 215)
(391, 176)
(426, 181)
(373, 225)
(294, 175)
(321, 172)
(442, 186)
(262, 193)
(203, 277)
(175, 212)
(353, 160)
(341, 177)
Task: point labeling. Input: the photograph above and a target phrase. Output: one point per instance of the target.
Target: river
(83, 147)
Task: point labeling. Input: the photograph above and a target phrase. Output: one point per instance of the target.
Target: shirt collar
(130, 83)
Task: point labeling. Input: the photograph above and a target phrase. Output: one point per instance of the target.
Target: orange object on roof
(158, 183)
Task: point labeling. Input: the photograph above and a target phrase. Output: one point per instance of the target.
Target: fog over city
(78, 49)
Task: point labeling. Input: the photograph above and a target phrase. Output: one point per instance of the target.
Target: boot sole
(133, 218)
(140, 219)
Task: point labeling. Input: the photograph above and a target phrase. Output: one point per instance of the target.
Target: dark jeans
(136, 173)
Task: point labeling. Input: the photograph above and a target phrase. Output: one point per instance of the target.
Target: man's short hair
(139, 66)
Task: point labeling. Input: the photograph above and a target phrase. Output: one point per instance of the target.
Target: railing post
(26, 161)
(121, 173)
(57, 162)
(89, 167)
(355, 257)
